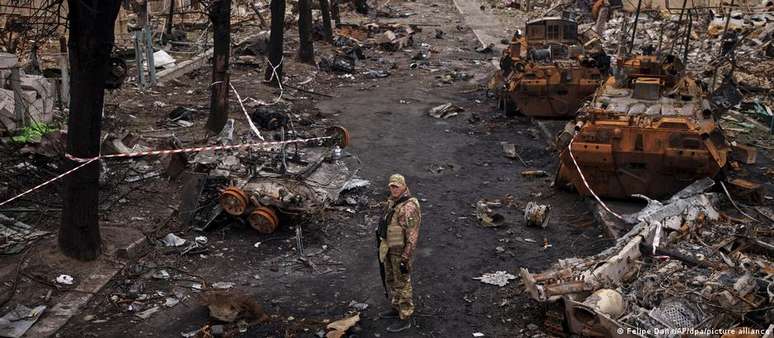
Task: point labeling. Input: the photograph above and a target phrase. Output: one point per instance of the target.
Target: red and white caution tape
(49, 181)
(197, 149)
(86, 161)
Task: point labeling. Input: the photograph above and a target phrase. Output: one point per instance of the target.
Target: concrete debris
(537, 214)
(445, 111)
(17, 321)
(499, 278)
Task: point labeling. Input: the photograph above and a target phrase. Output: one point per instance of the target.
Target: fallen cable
(279, 81)
(586, 184)
(247, 116)
(734, 203)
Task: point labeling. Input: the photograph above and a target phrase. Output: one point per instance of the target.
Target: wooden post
(92, 25)
(306, 46)
(276, 41)
(220, 15)
(326, 18)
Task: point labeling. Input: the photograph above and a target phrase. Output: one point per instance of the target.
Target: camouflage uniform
(399, 247)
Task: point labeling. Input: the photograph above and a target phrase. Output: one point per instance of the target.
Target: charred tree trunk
(220, 15)
(361, 6)
(306, 46)
(275, 41)
(326, 18)
(170, 17)
(91, 41)
(335, 12)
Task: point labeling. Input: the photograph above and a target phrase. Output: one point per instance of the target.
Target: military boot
(389, 314)
(399, 325)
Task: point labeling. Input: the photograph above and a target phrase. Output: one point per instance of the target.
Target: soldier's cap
(397, 180)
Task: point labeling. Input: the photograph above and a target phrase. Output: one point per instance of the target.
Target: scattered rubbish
(537, 214)
(229, 306)
(160, 274)
(201, 240)
(171, 302)
(486, 214)
(358, 306)
(485, 49)
(534, 173)
(172, 240)
(223, 285)
(499, 278)
(147, 313)
(16, 322)
(16, 235)
(65, 280)
(340, 327)
(445, 111)
(478, 334)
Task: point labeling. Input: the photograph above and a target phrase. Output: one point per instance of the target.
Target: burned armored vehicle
(648, 130)
(547, 73)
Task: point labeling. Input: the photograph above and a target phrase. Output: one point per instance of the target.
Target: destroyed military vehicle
(547, 73)
(310, 182)
(648, 130)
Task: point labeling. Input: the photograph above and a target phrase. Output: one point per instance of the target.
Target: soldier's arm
(409, 219)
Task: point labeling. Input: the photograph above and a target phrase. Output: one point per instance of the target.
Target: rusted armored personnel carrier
(546, 73)
(648, 130)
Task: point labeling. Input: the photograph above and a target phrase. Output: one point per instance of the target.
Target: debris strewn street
(485, 168)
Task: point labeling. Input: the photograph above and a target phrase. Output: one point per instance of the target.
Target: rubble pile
(684, 265)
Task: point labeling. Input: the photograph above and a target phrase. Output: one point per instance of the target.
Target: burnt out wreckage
(648, 130)
(547, 73)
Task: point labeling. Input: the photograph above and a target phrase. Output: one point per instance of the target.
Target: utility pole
(91, 40)
(220, 15)
(275, 42)
(306, 46)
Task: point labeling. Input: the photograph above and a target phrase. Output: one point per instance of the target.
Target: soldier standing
(397, 239)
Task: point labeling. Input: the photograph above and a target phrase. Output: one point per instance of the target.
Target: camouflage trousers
(399, 285)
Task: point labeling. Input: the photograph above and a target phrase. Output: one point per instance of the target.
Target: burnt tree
(335, 11)
(276, 41)
(220, 16)
(325, 9)
(91, 40)
(170, 18)
(306, 46)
